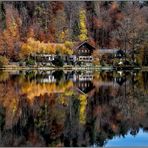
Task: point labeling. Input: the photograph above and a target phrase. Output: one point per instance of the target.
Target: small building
(120, 54)
(45, 58)
(116, 53)
(109, 56)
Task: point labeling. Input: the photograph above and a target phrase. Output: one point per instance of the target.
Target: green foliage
(2, 16)
(2, 117)
(40, 120)
(58, 61)
(30, 74)
(3, 61)
(76, 31)
(30, 62)
(58, 75)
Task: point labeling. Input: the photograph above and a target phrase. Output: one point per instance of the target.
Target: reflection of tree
(71, 130)
(9, 99)
(3, 76)
(49, 118)
(111, 114)
(58, 75)
(69, 117)
(2, 118)
(33, 89)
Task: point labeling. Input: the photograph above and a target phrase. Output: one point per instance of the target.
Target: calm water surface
(69, 108)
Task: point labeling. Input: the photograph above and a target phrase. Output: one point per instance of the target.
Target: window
(80, 58)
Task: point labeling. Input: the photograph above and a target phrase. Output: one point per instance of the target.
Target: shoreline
(144, 68)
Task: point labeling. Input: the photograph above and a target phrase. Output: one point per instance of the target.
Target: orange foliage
(30, 33)
(97, 22)
(114, 6)
(11, 104)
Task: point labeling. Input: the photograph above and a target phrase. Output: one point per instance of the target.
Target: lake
(73, 108)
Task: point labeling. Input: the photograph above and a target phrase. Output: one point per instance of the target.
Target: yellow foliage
(62, 36)
(4, 76)
(82, 37)
(68, 44)
(83, 30)
(32, 89)
(83, 103)
(34, 46)
(62, 100)
(65, 48)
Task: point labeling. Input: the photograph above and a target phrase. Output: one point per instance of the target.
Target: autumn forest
(28, 28)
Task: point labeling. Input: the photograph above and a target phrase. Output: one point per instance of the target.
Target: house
(83, 52)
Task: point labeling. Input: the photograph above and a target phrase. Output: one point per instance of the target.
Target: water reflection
(71, 108)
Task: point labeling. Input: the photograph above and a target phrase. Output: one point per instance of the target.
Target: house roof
(82, 43)
(112, 51)
(103, 51)
(86, 89)
(120, 52)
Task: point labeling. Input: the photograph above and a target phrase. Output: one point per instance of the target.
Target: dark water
(69, 108)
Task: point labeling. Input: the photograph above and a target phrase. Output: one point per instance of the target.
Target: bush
(3, 61)
(58, 61)
(30, 62)
(58, 75)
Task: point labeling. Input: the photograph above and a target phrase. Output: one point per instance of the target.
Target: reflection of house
(120, 80)
(77, 76)
(48, 79)
(83, 77)
(83, 81)
(84, 86)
